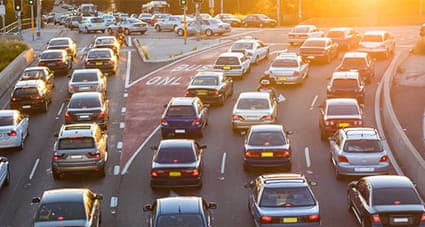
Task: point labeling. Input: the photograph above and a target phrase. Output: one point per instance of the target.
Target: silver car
(92, 24)
(87, 80)
(233, 64)
(253, 108)
(358, 152)
(133, 25)
(13, 129)
(209, 27)
(170, 23)
(4, 172)
(289, 68)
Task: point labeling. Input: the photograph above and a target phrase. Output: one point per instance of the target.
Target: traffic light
(183, 2)
(30, 2)
(18, 5)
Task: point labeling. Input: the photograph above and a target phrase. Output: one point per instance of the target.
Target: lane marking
(127, 72)
(123, 110)
(37, 161)
(125, 95)
(119, 145)
(307, 157)
(122, 125)
(223, 163)
(129, 43)
(114, 202)
(314, 102)
(60, 109)
(423, 128)
(116, 170)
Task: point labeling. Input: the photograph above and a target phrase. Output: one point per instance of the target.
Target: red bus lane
(147, 97)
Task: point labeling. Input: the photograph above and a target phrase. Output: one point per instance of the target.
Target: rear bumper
(361, 170)
(267, 163)
(75, 167)
(247, 124)
(103, 68)
(180, 131)
(176, 182)
(27, 106)
(281, 80)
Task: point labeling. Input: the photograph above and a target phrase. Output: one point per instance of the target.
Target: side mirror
(313, 183)
(289, 132)
(212, 205)
(203, 146)
(99, 196)
(147, 207)
(36, 200)
(154, 148)
(56, 134)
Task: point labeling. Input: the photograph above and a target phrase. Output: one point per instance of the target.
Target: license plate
(227, 67)
(99, 63)
(202, 93)
(180, 131)
(84, 88)
(26, 106)
(266, 154)
(175, 174)
(400, 220)
(364, 169)
(282, 78)
(51, 64)
(84, 116)
(290, 220)
(76, 156)
(343, 124)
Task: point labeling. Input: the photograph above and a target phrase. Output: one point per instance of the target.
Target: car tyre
(7, 180)
(180, 32)
(56, 176)
(209, 32)
(267, 55)
(157, 28)
(21, 145)
(338, 176)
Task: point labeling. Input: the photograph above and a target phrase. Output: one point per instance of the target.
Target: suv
(358, 152)
(232, 64)
(288, 68)
(80, 148)
(346, 85)
(88, 107)
(361, 62)
(31, 95)
(377, 42)
(339, 113)
(283, 200)
(346, 37)
(184, 116)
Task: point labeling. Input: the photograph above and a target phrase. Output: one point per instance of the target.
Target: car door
(334, 146)
(22, 125)
(360, 198)
(203, 112)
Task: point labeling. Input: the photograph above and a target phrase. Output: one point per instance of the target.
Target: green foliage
(420, 46)
(9, 50)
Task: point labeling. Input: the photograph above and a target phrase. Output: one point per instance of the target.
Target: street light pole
(38, 21)
(221, 6)
(300, 16)
(278, 12)
(420, 7)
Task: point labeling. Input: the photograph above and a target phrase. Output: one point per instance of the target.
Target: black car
(180, 211)
(56, 60)
(386, 200)
(177, 163)
(87, 107)
(29, 95)
(230, 19)
(210, 87)
(346, 85)
(39, 73)
(358, 61)
(102, 58)
(258, 20)
(68, 207)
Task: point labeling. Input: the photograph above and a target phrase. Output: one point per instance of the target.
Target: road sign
(2, 10)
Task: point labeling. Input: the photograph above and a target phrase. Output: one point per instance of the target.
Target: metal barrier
(13, 27)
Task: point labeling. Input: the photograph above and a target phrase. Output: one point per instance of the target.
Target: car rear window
(314, 43)
(84, 102)
(76, 143)
(6, 120)
(51, 55)
(345, 83)
(84, 77)
(96, 20)
(362, 146)
(180, 111)
(227, 61)
(99, 54)
(394, 196)
(343, 110)
(242, 46)
(205, 80)
(180, 220)
(104, 41)
(58, 42)
(372, 38)
(175, 155)
(266, 139)
(25, 92)
(32, 74)
(354, 63)
(301, 29)
(286, 197)
(253, 104)
(285, 63)
(335, 34)
(61, 211)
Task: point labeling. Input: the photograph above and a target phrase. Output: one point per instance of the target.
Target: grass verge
(9, 50)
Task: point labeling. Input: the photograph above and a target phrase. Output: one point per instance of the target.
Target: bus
(154, 7)
(87, 10)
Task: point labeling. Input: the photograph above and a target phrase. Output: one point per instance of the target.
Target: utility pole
(198, 20)
(2, 14)
(185, 24)
(300, 16)
(38, 21)
(221, 7)
(278, 12)
(420, 8)
(211, 6)
(32, 22)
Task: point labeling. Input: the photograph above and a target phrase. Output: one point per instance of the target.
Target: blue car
(184, 116)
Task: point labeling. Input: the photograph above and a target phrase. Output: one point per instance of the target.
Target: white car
(109, 19)
(13, 129)
(209, 27)
(302, 32)
(130, 25)
(232, 64)
(253, 49)
(92, 24)
(289, 68)
(377, 42)
(170, 23)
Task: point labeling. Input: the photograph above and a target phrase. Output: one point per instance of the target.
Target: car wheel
(249, 69)
(126, 31)
(208, 32)
(21, 145)
(364, 222)
(45, 107)
(142, 32)
(7, 180)
(158, 28)
(231, 91)
(87, 30)
(102, 172)
(180, 32)
(56, 176)
(235, 130)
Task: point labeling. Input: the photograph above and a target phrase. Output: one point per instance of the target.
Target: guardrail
(13, 27)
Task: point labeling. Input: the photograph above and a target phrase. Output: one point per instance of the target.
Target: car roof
(209, 73)
(167, 143)
(345, 75)
(231, 54)
(54, 51)
(304, 26)
(35, 68)
(389, 181)
(284, 179)
(266, 128)
(254, 94)
(105, 37)
(100, 49)
(375, 32)
(287, 55)
(64, 195)
(86, 94)
(61, 38)
(361, 133)
(4, 113)
(355, 55)
(179, 204)
(77, 130)
(77, 71)
(340, 29)
(28, 83)
(244, 40)
(338, 101)
(318, 39)
(182, 101)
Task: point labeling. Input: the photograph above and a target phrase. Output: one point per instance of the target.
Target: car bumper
(141, 29)
(82, 166)
(260, 163)
(10, 142)
(361, 170)
(102, 123)
(27, 106)
(180, 131)
(176, 182)
(231, 73)
(346, 95)
(281, 80)
(371, 50)
(103, 68)
(211, 99)
(247, 124)
(296, 40)
(290, 225)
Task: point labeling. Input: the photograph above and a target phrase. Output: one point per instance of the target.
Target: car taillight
(423, 218)
(110, 62)
(67, 116)
(58, 156)
(313, 218)
(197, 121)
(14, 99)
(284, 153)
(383, 159)
(296, 73)
(60, 63)
(94, 155)
(358, 122)
(237, 117)
(12, 133)
(375, 218)
(267, 118)
(41, 64)
(191, 172)
(37, 97)
(216, 93)
(101, 115)
(164, 122)
(252, 154)
(71, 88)
(265, 219)
(327, 123)
(342, 158)
(156, 173)
(187, 93)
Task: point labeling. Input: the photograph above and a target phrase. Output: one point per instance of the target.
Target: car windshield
(266, 139)
(227, 61)
(205, 80)
(314, 43)
(175, 155)
(84, 102)
(76, 143)
(84, 77)
(61, 211)
(343, 109)
(104, 41)
(6, 120)
(96, 20)
(285, 63)
(51, 55)
(99, 54)
(253, 104)
(394, 196)
(362, 146)
(354, 63)
(345, 83)
(372, 38)
(286, 197)
(180, 111)
(242, 46)
(301, 29)
(335, 34)
(180, 220)
(26, 92)
(32, 75)
(58, 42)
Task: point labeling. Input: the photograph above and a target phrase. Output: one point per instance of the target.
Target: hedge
(9, 50)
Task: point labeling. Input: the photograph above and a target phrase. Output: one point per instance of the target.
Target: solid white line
(119, 145)
(116, 170)
(223, 163)
(60, 109)
(37, 161)
(123, 110)
(307, 157)
(314, 102)
(423, 128)
(127, 72)
(129, 41)
(114, 202)
(127, 165)
(122, 125)
(125, 95)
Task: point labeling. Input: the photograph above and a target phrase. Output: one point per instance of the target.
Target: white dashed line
(125, 95)
(116, 170)
(37, 161)
(114, 202)
(119, 145)
(128, 70)
(60, 109)
(123, 110)
(122, 125)
(314, 102)
(307, 157)
(223, 163)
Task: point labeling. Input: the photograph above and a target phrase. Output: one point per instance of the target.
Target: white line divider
(116, 170)
(60, 109)
(123, 110)
(122, 125)
(114, 202)
(307, 157)
(313, 103)
(37, 161)
(119, 145)
(223, 163)
(127, 71)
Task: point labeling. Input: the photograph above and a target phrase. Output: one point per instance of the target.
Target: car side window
(363, 190)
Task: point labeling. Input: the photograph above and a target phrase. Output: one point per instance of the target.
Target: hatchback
(88, 107)
(39, 73)
(346, 85)
(83, 80)
(30, 95)
(56, 60)
(233, 64)
(13, 129)
(102, 58)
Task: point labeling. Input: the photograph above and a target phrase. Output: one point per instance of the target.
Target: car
(358, 61)
(319, 48)
(49, 17)
(13, 130)
(386, 200)
(346, 85)
(170, 23)
(133, 25)
(39, 73)
(92, 24)
(177, 163)
(83, 80)
(377, 42)
(254, 49)
(63, 43)
(88, 107)
(209, 27)
(283, 199)
(68, 207)
(210, 87)
(57, 18)
(180, 211)
(267, 146)
(56, 60)
(30, 95)
(102, 58)
(108, 42)
(358, 152)
(74, 21)
(109, 19)
(289, 68)
(184, 116)
(339, 113)
(253, 108)
(230, 19)
(232, 64)
(4, 172)
(79, 148)
(158, 16)
(145, 17)
(345, 37)
(300, 33)
(258, 20)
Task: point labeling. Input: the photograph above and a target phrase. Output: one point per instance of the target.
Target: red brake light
(384, 159)
(265, 219)
(267, 117)
(314, 218)
(195, 172)
(296, 73)
(13, 99)
(423, 218)
(12, 133)
(237, 117)
(164, 122)
(284, 154)
(71, 88)
(216, 93)
(94, 155)
(67, 116)
(187, 92)
(375, 218)
(101, 115)
(342, 158)
(197, 121)
(57, 156)
(60, 62)
(252, 154)
(154, 174)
